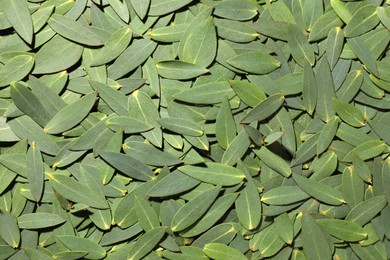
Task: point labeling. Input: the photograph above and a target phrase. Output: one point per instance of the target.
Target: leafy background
(184, 129)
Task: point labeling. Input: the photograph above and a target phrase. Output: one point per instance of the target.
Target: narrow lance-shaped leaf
(147, 217)
(315, 244)
(299, 47)
(343, 229)
(18, 14)
(363, 20)
(146, 243)
(264, 109)
(327, 134)
(181, 126)
(248, 204)
(225, 127)
(207, 93)
(284, 227)
(159, 8)
(309, 90)
(366, 150)
(367, 210)
(236, 10)
(113, 47)
(254, 62)
(214, 173)
(284, 195)
(95, 251)
(27, 102)
(39, 220)
(141, 7)
(174, 69)
(75, 191)
(334, 46)
(248, 92)
(200, 46)
(319, 191)
(273, 161)
(127, 165)
(222, 251)
(71, 115)
(73, 30)
(16, 69)
(325, 91)
(149, 154)
(9, 229)
(190, 212)
(35, 171)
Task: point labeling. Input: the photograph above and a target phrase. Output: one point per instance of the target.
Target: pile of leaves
(184, 129)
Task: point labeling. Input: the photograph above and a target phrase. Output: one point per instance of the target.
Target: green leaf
(146, 215)
(225, 127)
(136, 54)
(200, 46)
(172, 184)
(386, 177)
(315, 244)
(364, 54)
(214, 173)
(306, 151)
(27, 102)
(114, 99)
(71, 115)
(284, 227)
(319, 191)
(146, 243)
(141, 7)
(324, 24)
(18, 15)
(39, 220)
(255, 62)
(214, 213)
(49, 59)
(366, 150)
(367, 210)
(73, 30)
(264, 109)
(75, 191)
(342, 229)
(207, 93)
(248, 205)
(267, 241)
(273, 161)
(236, 10)
(9, 230)
(284, 195)
(190, 212)
(16, 69)
(334, 45)
(35, 171)
(69, 255)
(172, 33)
(113, 47)
(299, 47)
(348, 113)
(353, 186)
(142, 107)
(127, 165)
(149, 154)
(363, 20)
(162, 7)
(325, 91)
(235, 31)
(237, 149)
(327, 134)
(129, 125)
(341, 10)
(175, 69)
(222, 233)
(350, 86)
(220, 251)
(181, 126)
(309, 89)
(95, 251)
(248, 92)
